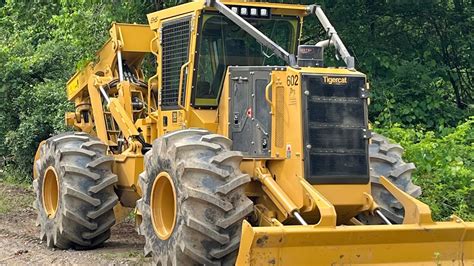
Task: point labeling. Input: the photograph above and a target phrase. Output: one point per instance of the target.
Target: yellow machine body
(418, 241)
(278, 184)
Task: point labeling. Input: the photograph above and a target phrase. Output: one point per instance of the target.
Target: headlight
(251, 12)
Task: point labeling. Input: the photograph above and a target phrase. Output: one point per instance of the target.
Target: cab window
(222, 43)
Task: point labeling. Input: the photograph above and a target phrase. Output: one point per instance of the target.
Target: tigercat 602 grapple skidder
(242, 149)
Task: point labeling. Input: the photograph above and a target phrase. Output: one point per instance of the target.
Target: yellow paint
(37, 157)
(163, 205)
(50, 192)
(127, 167)
(445, 243)
(203, 119)
(418, 241)
(122, 118)
(155, 19)
(223, 108)
(73, 86)
(288, 115)
(128, 34)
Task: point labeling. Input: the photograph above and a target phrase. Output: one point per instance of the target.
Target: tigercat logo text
(335, 80)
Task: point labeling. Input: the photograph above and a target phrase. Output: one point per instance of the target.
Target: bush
(41, 46)
(445, 167)
(42, 116)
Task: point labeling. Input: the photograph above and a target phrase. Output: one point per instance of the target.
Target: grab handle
(267, 95)
(181, 74)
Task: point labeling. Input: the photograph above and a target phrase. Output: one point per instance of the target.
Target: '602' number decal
(292, 80)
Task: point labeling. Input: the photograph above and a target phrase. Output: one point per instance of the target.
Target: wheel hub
(50, 192)
(163, 206)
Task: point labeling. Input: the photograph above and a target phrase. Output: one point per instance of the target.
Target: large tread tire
(211, 201)
(86, 191)
(386, 160)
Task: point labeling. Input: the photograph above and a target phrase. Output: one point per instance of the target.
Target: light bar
(251, 12)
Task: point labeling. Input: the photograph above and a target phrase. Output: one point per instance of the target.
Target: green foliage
(41, 46)
(42, 114)
(15, 197)
(416, 55)
(445, 167)
(425, 106)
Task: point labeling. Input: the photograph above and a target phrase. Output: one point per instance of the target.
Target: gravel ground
(20, 244)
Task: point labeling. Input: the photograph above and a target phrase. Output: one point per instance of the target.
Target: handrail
(151, 44)
(181, 83)
(153, 77)
(267, 95)
(149, 93)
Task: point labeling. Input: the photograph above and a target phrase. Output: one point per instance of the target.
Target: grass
(15, 196)
(15, 176)
(137, 256)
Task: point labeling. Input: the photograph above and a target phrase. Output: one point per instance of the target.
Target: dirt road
(20, 244)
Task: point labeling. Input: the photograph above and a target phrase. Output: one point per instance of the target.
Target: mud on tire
(86, 196)
(210, 199)
(386, 160)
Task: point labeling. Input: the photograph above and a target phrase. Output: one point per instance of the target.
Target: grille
(280, 123)
(335, 131)
(175, 52)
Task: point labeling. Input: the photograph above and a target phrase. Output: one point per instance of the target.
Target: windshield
(222, 43)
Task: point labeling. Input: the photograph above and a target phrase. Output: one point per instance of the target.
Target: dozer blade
(442, 243)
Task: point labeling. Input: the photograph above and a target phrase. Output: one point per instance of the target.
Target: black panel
(249, 116)
(175, 52)
(336, 113)
(332, 139)
(262, 109)
(336, 134)
(240, 126)
(318, 87)
(334, 167)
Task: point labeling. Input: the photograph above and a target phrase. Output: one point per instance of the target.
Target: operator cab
(222, 43)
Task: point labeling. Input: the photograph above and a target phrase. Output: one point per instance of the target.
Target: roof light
(235, 9)
(264, 12)
(243, 11)
(253, 12)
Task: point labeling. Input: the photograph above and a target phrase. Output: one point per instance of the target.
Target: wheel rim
(163, 206)
(50, 192)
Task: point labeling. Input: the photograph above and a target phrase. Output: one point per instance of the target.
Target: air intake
(336, 134)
